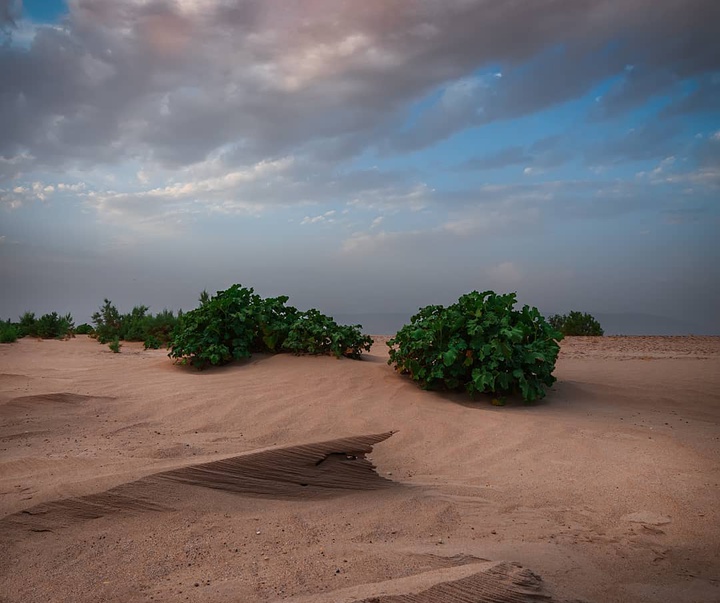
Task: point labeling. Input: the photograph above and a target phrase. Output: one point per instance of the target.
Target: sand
(124, 477)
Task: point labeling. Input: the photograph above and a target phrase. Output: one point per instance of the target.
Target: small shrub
(235, 323)
(576, 323)
(152, 343)
(107, 322)
(84, 329)
(54, 326)
(115, 345)
(9, 333)
(480, 344)
(27, 325)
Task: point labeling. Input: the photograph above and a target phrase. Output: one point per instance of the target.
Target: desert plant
(9, 332)
(133, 326)
(27, 325)
(576, 323)
(161, 325)
(314, 333)
(107, 322)
(480, 344)
(54, 326)
(137, 325)
(84, 329)
(152, 343)
(235, 323)
(115, 345)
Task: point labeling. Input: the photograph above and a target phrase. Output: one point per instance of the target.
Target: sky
(361, 157)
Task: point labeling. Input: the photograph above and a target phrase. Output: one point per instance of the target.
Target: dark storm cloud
(173, 81)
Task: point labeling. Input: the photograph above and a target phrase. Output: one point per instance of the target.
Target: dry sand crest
(125, 478)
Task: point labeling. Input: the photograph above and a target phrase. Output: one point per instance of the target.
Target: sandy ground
(119, 479)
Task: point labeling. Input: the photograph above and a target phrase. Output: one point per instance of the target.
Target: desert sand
(124, 477)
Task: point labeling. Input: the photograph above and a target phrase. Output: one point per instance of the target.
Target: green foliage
(133, 326)
(107, 322)
(576, 323)
(54, 326)
(480, 344)
(236, 323)
(84, 329)
(9, 332)
(315, 333)
(27, 325)
(152, 343)
(138, 325)
(115, 345)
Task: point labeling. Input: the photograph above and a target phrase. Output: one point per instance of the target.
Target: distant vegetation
(48, 326)
(115, 345)
(480, 344)
(576, 323)
(9, 332)
(138, 325)
(84, 329)
(235, 323)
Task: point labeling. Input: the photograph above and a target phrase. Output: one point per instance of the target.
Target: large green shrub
(576, 323)
(480, 344)
(235, 323)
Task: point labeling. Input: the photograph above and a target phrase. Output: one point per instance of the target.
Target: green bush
(9, 333)
(576, 323)
(152, 343)
(314, 333)
(115, 345)
(138, 325)
(480, 344)
(236, 323)
(107, 322)
(27, 325)
(54, 326)
(84, 329)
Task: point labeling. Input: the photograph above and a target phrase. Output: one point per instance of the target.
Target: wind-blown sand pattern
(298, 472)
(126, 478)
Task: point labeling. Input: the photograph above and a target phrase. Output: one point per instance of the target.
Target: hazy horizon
(362, 158)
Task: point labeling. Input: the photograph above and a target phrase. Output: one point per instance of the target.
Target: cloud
(171, 83)
(650, 141)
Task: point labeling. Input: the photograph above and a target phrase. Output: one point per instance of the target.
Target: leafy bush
(480, 344)
(9, 333)
(236, 323)
(152, 343)
(115, 345)
(54, 326)
(314, 333)
(576, 323)
(84, 329)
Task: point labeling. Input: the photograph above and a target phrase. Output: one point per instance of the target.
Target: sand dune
(307, 471)
(126, 478)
